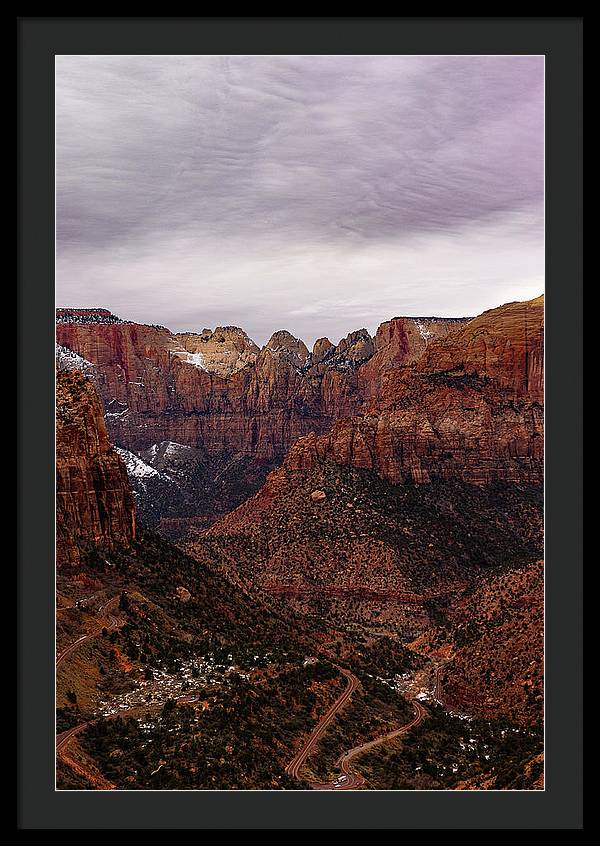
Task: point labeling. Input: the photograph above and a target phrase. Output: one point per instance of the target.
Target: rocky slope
(347, 546)
(94, 505)
(497, 634)
(409, 501)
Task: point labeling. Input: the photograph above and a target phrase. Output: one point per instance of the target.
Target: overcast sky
(316, 194)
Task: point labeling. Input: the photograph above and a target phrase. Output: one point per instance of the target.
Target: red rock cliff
(94, 504)
(504, 344)
(470, 407)
(218, 391)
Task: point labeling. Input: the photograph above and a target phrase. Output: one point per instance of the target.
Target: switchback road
(294, 767)
(350, 780)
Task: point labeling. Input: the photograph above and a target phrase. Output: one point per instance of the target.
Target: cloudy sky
(319, 194)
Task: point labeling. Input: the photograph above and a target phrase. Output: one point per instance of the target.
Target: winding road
(63, 739)
(293, 768)
(348, 779)
(106, 616)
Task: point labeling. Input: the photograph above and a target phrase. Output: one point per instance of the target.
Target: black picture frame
(559, 805)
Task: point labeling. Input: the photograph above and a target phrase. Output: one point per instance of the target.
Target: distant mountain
(217, 392)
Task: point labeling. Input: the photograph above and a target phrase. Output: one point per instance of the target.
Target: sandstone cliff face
(398, 344)
(426, 398)
(504, 344)
(94, 504)
(216, 390)
(454, 433)
(469, 407)
(222, 352)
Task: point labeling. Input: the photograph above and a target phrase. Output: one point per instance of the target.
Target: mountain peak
(284, 344)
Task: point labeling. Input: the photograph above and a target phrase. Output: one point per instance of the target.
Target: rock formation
(94, 504)
(505, 345)
(222, 352)
(448, 453)
(426, 398)
(469, 407)
(216, 390)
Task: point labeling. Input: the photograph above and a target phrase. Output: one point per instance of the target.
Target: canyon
(219, 391)
(376, 505)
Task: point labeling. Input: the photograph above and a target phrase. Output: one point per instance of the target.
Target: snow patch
(197, 359)
(173, 448)
(66, 359)
(136, 468)
(424, 331)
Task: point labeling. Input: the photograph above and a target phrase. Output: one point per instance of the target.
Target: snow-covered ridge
(136, 468)
(172, 460)
(141, 469)
(68, 360)
(173, 448)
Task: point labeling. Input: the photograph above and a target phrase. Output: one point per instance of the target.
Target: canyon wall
(437, 481)
(470, 407)
(425, 398)
(218, 391)
(94, 503)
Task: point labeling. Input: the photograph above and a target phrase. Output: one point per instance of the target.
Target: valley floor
(156, 693)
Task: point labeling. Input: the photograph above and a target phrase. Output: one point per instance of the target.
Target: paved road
(63, 739)
(294, 767)
(109, 622)
(345, 761)
(350, 780)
